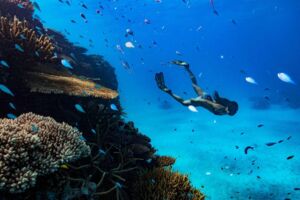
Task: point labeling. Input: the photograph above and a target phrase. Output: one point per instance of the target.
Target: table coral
(70, 85)
(32, 146)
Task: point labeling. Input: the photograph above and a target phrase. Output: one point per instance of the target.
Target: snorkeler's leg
(195, 85)
(159, 78)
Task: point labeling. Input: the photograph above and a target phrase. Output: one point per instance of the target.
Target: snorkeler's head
(232, 108)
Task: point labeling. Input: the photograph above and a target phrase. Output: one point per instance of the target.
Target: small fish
(288, 138)
(93, 131)
(250, 80)
(79, 108)
(73, 21)
(19, 48)
(296, 189)
(247, 149)
(64, 166)
(178, 53)
(267, 98)
(11, 116)
(285, 78)
(84, 6)
(270, 144)
(129, 32)
(290, 157)
(113, 107)
(147, 21)
(12, 106)
(101, 151)
(66, 63)
(36, 6)
(192, 108)
(125, 65)
(4, 63)
(82, 138)
(234, 22)
(68, 3)
(34, 128)
(280, 141)
(6, 90)
(260, 125)
(129, 45)
(20, 6)
(83, 16)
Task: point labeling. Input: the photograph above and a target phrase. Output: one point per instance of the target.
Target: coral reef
(163, 183)
(18, 40)
(70, 85)
(31, 146)
(23, 9)
(46, 159)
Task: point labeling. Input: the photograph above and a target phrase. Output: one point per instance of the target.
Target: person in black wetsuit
(215, 104)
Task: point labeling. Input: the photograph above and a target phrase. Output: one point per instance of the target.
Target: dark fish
(267, 98)
(84, 6)
(248, 148)
(260, 125)
(270, 144)
(234, 22)
(242, 71)
(73, 21)
(67, 2)
(280, 141)
(290, 157)
(213, 7)
(266, 89)
(289, 138)
(296, 188)
(83, 16)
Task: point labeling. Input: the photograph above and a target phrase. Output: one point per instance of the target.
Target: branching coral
(32, 145)
(70, 85)
(17, 39)
(163, 183)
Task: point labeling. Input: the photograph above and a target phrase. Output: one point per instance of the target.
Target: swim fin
(160, 81)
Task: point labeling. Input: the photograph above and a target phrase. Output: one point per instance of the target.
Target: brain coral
(33, 145)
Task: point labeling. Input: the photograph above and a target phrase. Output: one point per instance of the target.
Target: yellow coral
(163, 183)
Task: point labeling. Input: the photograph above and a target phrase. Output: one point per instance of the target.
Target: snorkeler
(215, 104)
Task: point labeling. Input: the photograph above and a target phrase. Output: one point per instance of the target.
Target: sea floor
(211, 149)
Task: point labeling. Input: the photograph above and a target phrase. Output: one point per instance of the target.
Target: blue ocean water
(249, 38)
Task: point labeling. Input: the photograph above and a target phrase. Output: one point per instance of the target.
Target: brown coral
(17, 39)
(165, 161)
(161, 183)
(70, 85)
(33, 145)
